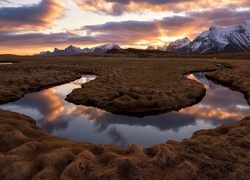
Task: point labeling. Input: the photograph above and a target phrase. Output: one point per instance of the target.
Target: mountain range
(214, 40)
(70, 50)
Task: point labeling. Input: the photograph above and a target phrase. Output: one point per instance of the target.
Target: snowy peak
(56, 50)
(176, 45)
(246, 25)
(180, 42)
(73, 49)
(150, 48)
(163, 48)
(221, 40)
(105, 47)
(111, 46)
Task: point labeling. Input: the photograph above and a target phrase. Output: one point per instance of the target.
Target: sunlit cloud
(89, 113)
(167, 29)
(54, 105)
(211, 113)
(33, 17)
(19, 25)
(119, 7)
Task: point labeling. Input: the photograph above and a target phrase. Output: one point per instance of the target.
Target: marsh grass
(27, 152)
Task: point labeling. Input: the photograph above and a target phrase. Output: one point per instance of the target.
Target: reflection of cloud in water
(54, 105)
(214, 116)
(103, 120)
(89, 113)
(117, 138)
(52, 109)
(59, 123)
(220, 105)
(163, 122)
(48, 103)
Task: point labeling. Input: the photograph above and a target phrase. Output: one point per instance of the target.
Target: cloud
(227, 17)
(119, 7)
(33, 17)
(2, 2)
(130, 33)
(117, 137)
(40, 39)
(190, 25)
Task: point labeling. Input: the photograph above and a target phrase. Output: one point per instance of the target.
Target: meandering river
(88, 124)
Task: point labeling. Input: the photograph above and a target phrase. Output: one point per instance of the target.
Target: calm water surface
(81, 123)
(5, 63)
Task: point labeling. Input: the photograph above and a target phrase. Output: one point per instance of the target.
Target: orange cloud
(34, 17)
(90, 113)
(210, 113)
(54, 105)
(118, 7)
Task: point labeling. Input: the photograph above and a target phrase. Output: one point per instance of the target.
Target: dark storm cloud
(34, 17)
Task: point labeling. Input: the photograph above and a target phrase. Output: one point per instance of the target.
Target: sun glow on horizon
(167, 39)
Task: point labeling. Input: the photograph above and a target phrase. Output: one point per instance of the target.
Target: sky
(30, 26)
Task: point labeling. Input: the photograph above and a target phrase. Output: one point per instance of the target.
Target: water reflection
(82, 123)
(5, 63)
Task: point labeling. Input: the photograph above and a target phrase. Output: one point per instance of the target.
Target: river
(87, 124)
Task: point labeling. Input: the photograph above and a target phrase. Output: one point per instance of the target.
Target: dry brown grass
(27, 151)
(142, 87)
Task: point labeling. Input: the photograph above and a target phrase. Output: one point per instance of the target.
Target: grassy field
(129, 84)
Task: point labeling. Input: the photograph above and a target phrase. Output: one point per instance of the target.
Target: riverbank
(29, 152)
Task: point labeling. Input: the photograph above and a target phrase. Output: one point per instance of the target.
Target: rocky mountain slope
(216, 40)
(177, 45)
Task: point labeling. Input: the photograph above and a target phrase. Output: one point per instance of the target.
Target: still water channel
(5, 63)
(88, 124)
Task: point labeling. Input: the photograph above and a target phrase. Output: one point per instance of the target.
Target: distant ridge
(71, 50)
(215, 40)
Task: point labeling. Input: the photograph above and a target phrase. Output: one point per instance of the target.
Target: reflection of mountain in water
(200, 77)
(219, 106)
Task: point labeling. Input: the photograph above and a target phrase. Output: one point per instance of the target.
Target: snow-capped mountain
(150, 48)
(76, 50)
(220, 40)
(163, 48)
(178, 44)
(105, 47)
